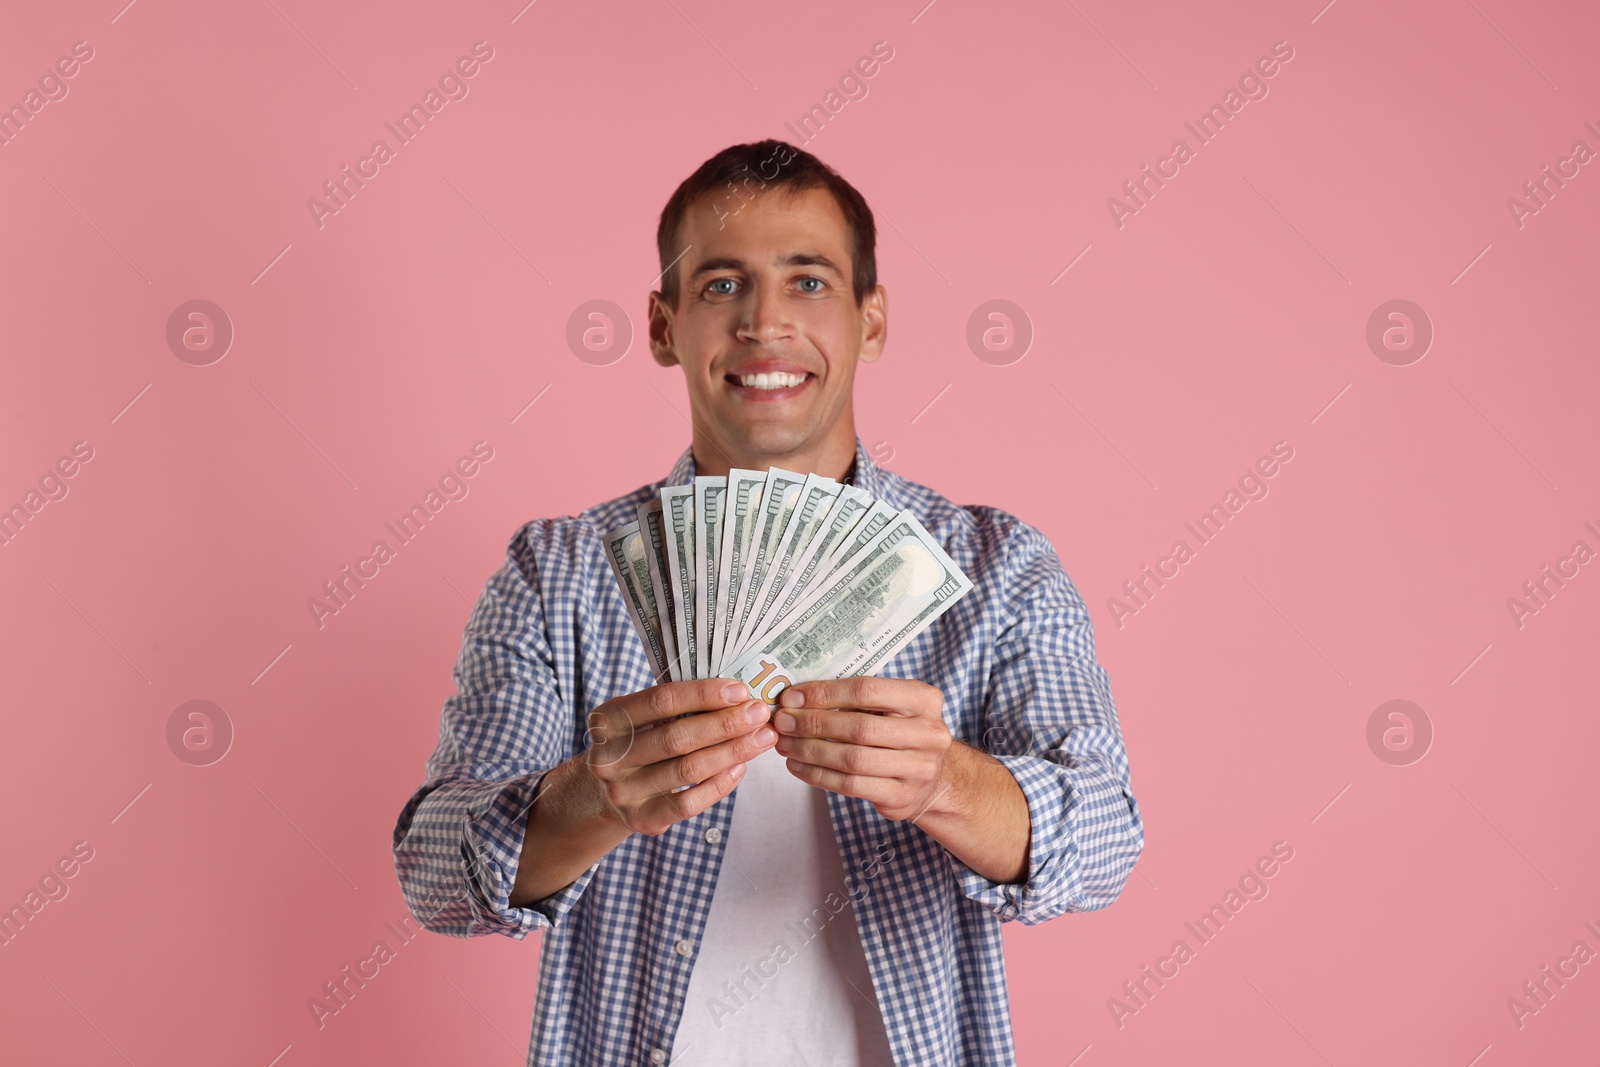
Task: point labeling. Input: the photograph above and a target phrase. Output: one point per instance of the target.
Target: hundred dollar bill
(847, 509)
(677, 509)
(741, 506)
(818, 569)
(877, 517)
(779, 497)
(708, 493)
(628, 555)
(871, 607)
(817, 494)
(650, 523)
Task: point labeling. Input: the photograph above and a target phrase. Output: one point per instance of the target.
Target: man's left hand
(881, 739)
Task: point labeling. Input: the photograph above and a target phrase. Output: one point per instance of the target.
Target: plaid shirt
(550, 639)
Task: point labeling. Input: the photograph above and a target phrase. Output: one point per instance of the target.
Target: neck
(830, 457)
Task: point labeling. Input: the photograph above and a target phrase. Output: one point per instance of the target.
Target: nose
(765, 315)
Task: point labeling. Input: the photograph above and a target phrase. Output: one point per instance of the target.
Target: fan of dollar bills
(773, 578)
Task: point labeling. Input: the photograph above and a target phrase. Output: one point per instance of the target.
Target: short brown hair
(768, 164)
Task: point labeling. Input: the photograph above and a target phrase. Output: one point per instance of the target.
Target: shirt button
(713, 835)
(683, 946)
(658, 1055)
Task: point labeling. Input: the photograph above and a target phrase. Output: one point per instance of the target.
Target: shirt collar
(865, 474)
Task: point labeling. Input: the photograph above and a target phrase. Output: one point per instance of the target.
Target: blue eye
(712, 286)
(811, 278)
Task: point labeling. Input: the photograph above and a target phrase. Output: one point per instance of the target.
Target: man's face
(767, 329)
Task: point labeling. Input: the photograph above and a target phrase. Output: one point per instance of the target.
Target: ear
(661, 343)
(874, 324)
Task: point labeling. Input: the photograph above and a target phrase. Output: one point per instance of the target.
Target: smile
(776, 380)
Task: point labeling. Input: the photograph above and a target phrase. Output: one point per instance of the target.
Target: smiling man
(826, 888)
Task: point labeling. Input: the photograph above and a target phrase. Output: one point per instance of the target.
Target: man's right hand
(646, 746)
(642, 747)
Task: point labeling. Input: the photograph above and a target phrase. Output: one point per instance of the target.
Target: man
(842, 905)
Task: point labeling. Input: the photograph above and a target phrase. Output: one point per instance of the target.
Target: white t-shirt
(780, 976)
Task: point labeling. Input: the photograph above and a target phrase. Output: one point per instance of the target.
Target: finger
(898, 696)
(888, 796)
(699, 766)
(627, 714)
(687, 803)
(875, 790)
(855, 759)
(853, 727)
(671, 740)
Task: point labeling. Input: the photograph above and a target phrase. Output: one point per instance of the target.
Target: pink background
(1228, 314)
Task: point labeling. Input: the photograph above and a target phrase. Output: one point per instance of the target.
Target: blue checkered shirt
(550, 639)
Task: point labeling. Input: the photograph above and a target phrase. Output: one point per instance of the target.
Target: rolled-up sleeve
(458, 841)
(1049, 718)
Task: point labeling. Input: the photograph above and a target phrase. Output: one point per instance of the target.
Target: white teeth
(770, 381)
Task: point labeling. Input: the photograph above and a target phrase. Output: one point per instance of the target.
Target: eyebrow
(793, 259)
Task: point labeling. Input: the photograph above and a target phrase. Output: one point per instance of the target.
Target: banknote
(847, 510)
(629, 556)
(677, 507)
(816, 495)
(778, 499)
(776, 577)
(870, 523)
(655, 540)
(708, 493)
(869, 608)
(742, 505)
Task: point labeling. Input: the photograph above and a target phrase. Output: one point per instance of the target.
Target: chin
(768, 439)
